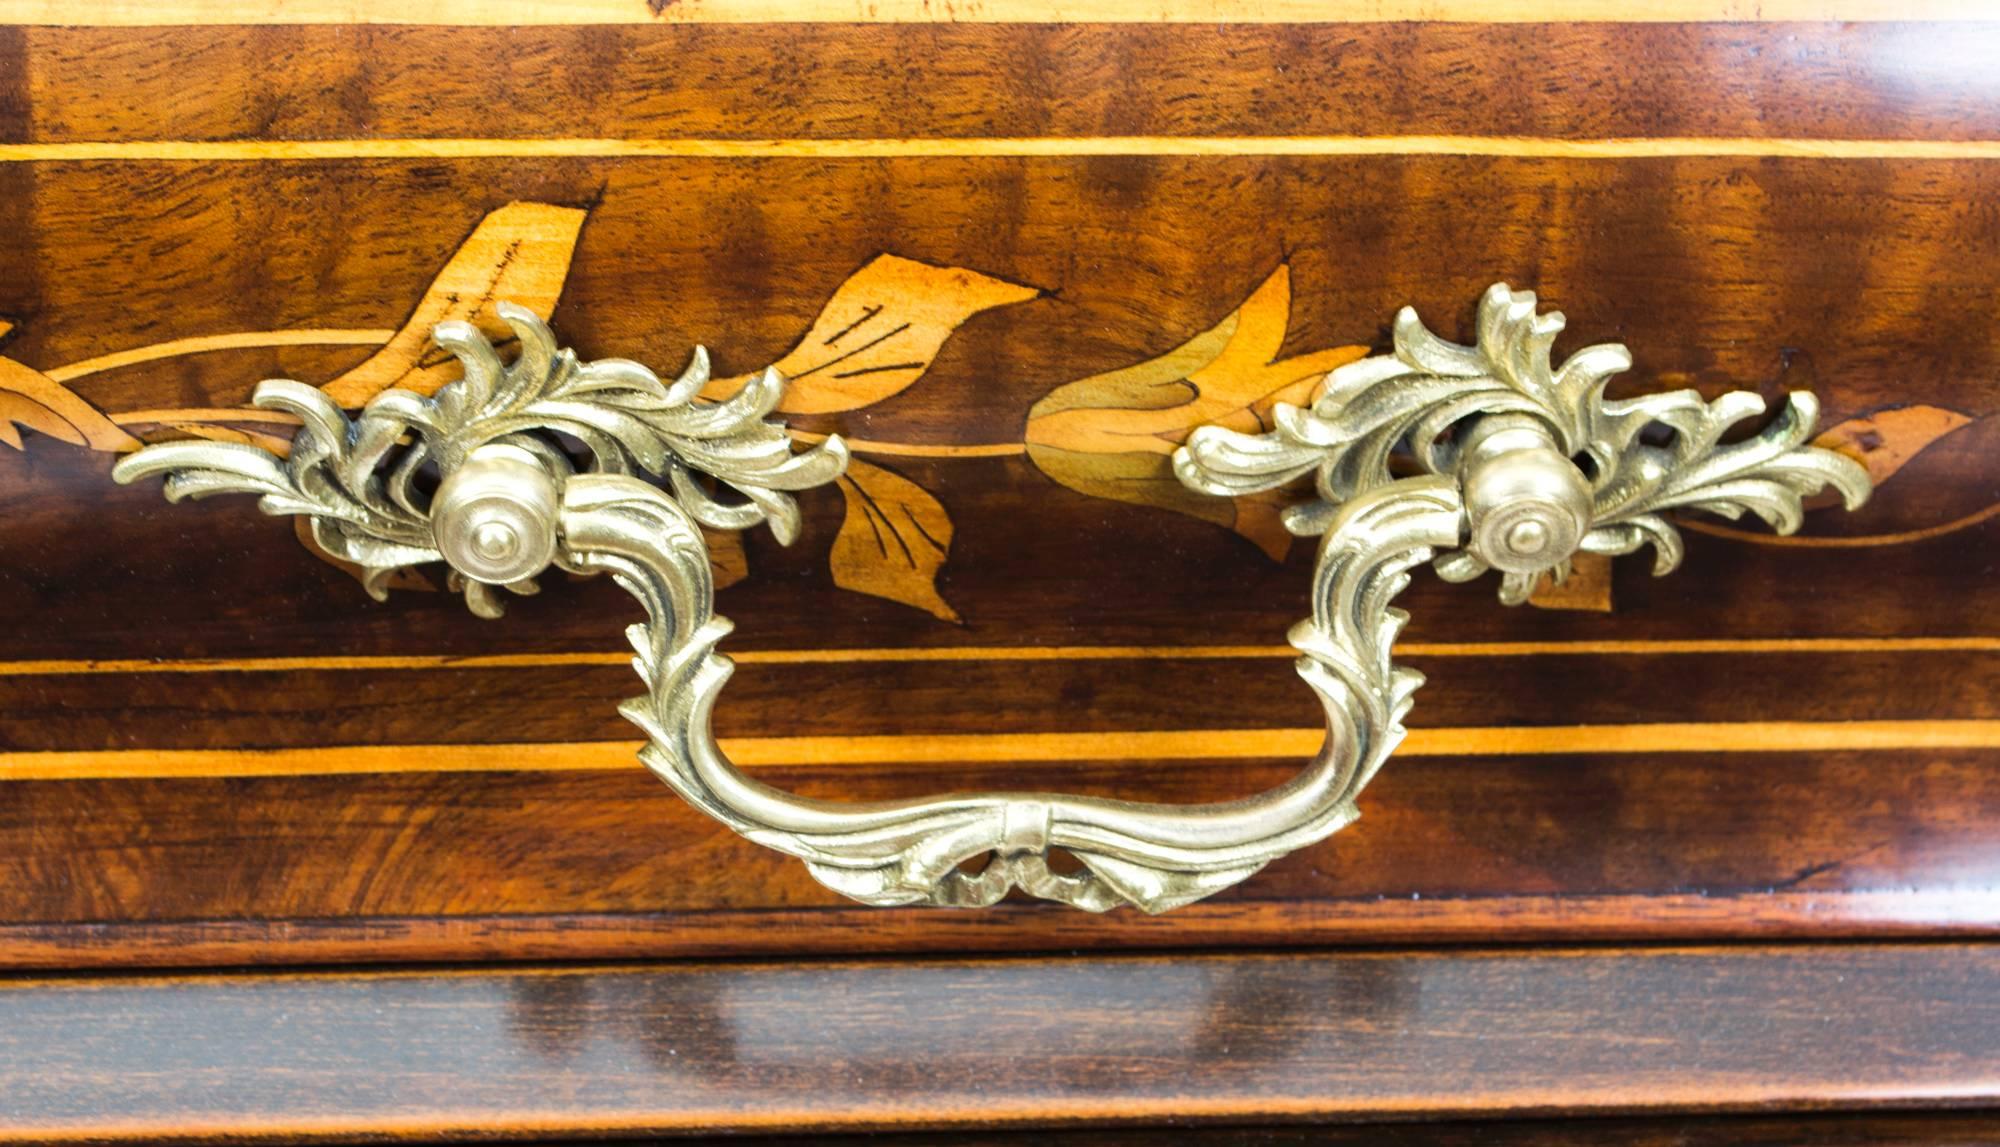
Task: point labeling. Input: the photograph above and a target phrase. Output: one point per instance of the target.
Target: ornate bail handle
(1515, 465)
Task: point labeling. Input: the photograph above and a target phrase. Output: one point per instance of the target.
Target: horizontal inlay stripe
(1198, 744)
(391, 662)
(130, 13)
(1538, 147)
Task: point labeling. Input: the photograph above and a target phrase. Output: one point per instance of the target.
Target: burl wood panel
(1046, 1042)
(417, 866)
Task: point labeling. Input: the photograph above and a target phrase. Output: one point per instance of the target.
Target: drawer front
(1014, 264)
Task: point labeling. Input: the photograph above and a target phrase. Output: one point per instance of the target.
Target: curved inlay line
(204, 344)
(1834, 541)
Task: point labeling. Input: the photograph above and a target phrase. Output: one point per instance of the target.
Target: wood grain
(545, 865)
(1047, 1042)
(1554, 81)
(1470, 704)
(626, 12)
(1722, 225)
(1001, 148)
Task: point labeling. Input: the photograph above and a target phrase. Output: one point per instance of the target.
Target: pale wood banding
(378, 663)
(1195, 744)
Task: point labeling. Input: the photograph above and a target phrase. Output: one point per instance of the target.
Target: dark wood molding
(997, 1043)
(1893, 1129)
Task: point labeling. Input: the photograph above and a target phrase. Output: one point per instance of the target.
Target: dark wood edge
(1636, 918)
(922, 1045)
(1872, 1129)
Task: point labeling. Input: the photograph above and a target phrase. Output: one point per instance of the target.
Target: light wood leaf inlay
(32, 399)
(893, 541)
(519, 254)
(1113, 435)
(880, 332)
(1587, 588)
(1886, 440)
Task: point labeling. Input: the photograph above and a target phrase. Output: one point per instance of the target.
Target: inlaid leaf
(519, 254)
(32, 399)
(1113, 435)
(879, 333)
(1588, 586)
(893, 541)
(1886, 440)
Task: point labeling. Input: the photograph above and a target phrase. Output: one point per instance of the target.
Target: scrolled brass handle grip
(1514, 465)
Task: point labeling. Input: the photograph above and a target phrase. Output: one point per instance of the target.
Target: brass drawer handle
(1492, 433)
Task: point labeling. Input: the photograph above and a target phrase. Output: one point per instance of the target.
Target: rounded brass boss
(494, 518)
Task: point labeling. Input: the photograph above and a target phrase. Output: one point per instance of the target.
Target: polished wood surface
(1042, 1042)
(1070, 705)
(453, 866)
(237, 757)
(1545, 79)
(655, 12)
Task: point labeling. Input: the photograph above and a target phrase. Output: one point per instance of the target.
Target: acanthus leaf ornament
(1493, 427)
(1416, 397)
(360, 487)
